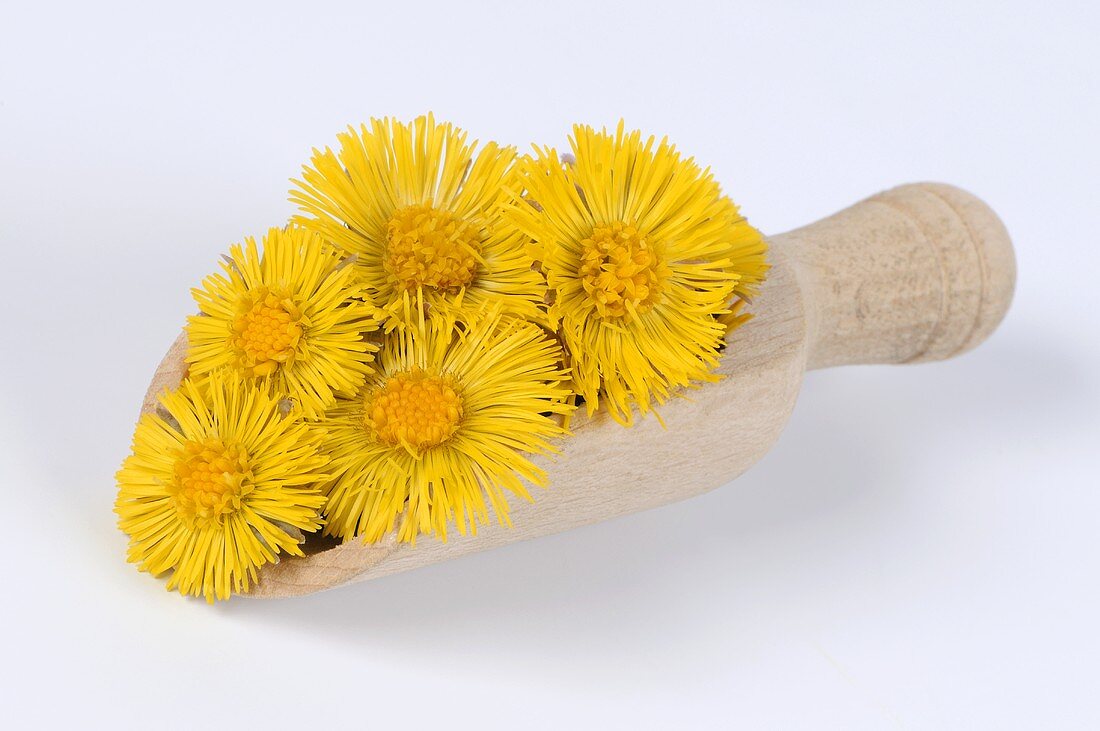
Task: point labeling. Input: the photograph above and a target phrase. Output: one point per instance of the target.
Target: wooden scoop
(921, 272)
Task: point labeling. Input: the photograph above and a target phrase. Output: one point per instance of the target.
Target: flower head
(420, 208)
(295, 316)
(218, 483)
(645, 259)
(442, 431)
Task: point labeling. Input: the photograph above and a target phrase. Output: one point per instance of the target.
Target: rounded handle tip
(977, 263)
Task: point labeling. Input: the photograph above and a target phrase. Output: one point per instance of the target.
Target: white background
(919, 551)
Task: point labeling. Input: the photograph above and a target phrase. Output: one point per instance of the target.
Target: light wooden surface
(921, 272)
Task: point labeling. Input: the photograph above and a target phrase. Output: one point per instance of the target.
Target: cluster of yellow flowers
(391, 359)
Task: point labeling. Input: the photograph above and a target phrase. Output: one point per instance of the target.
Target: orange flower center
(430, 248)
(209, 480)
(267, 332)
(415, 410)
(620, 271)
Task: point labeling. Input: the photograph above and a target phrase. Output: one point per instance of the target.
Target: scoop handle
(918, 273)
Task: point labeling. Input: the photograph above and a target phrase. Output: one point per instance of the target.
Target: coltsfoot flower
(420, 208)
(645, 259)
(219, 482)
(295, 316)
(445, 428)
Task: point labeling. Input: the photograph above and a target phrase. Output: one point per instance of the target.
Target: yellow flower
(421, 212)
(441, 432)
(218, 483)
(295, 316)
(644, 258)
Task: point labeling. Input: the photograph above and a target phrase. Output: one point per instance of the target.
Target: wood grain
(917, 273)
